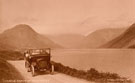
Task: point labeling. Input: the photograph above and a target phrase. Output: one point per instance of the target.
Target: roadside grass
(11, 55)
(91, 75)
(8, 74)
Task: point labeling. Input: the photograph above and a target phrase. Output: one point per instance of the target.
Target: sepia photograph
(67, 41)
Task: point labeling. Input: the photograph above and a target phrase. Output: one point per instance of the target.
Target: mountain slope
(125, 40)
(23, 36)
(93, 40)
(68, 40)
(102, 36)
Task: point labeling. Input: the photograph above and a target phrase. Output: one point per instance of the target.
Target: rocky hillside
(124, 40)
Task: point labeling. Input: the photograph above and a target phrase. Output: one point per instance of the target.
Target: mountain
(102, 36)
(22, 37)
(92, 40)
(124, 40)
(68, 40)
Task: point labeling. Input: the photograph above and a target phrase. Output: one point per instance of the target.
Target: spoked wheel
(33, 71)
(52, 69)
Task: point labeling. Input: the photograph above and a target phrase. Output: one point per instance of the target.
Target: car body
(39, 60)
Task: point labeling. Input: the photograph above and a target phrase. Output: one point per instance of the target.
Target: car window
(34, 52)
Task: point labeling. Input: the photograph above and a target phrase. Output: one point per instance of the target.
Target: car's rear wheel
(33, 70)
(52, 69)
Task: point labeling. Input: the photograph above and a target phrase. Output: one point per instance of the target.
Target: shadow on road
(39, 73)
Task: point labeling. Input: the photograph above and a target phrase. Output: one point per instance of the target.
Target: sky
(67, 16)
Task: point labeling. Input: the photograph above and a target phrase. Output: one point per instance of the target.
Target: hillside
(92, 40)
(124, 40)
(102, 36)
(68, 40)
(23, 36)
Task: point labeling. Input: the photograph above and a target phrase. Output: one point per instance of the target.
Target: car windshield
(34, 52)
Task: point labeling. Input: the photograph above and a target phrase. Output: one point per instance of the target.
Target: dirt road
(45, 78)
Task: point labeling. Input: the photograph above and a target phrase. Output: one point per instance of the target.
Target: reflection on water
(121, 61)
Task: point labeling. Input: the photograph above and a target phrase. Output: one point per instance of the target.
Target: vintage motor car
(38, 60)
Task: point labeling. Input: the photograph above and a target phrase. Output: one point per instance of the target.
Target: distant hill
(124, 40)
(68, 40)
(22, 37)
(102, 36)
(93, 40)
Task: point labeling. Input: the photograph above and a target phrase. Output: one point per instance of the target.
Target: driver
(27, 56)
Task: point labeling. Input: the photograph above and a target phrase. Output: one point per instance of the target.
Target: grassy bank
(91, 74)
(11, 55)
(8, 74)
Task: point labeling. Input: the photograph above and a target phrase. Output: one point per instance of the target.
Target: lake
(121, 61)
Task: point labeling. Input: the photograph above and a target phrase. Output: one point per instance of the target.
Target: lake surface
(121, 61)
